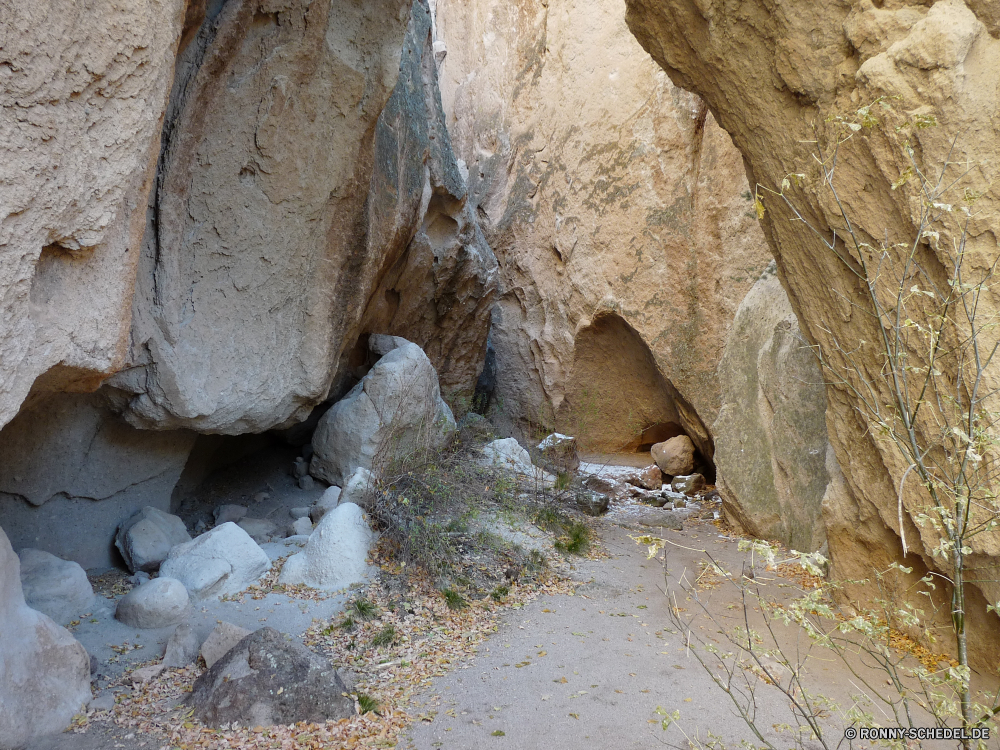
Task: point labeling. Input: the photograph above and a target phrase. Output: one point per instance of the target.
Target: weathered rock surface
(158, 603)
(267, 679)
(812, 62)
(229, 513)
(146, 538)
(329, 500)
(674, 456)
(261, 530)
(223, 637)
(559, 452)
(55, 587)
(508, 454)
(222, 561)
(619, 213)
(336, 555)
(82, 106)
(690, 484)
(44, 671)
(65, 451)
(397, 407)
(182, 647)
(310, 139)
(771, 438)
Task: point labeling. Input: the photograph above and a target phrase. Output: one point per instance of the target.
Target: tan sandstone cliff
(773, 74)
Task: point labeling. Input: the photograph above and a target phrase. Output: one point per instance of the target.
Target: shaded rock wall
(772, 74)
(82, 94)
(773, 458)
(602, 188)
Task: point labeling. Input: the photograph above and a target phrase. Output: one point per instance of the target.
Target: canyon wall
(776, 76)
(619, 212)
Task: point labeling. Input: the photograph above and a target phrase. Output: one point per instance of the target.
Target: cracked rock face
(773, 74)
(604, 190)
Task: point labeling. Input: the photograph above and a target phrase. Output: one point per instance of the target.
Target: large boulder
(44, 671)
(222, 561)
(268, 679)
(559, 453)
(158, 603)
(146, 538)
(309, 141)
(396, 408)
(336, 554)
(223, 637)
(674, 456)
(508, 454)
(771, 439)
(619, 211)
(71, 463)
(58, 588)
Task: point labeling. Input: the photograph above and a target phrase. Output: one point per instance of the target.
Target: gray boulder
(508, 454)
(302, 527)
(222, 561)
(358, 489)
(335, 556)
(229, 513)
(223, 637)
(44, 671)
(592, 503)
(267, 679)
(146, 538)
(158, 603)
(58, 588)
(182, 647)
(688, 484)
(396, 408)
(326, 503)
(559, 453)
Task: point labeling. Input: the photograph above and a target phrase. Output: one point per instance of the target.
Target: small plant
(364, 609)
(367, 704)
(454, 600)
(563, 480)
(385, 637)
(348, 624)
(500, 593)
(576, 541)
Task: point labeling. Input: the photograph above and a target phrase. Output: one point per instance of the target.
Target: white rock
(146, 538)
(223, 637)
(336, 554)
(222, 561)
(58, 588)
(182, 647)
(158, 603)
(326, 503)
(302, 526)
(145, 674)
(508, 454)
(44, 671)
(297, 513)
(359, 487)
(395, 408)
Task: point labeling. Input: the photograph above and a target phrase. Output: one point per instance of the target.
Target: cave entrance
(618, 400)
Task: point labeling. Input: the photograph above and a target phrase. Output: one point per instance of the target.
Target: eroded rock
(674, 456)
(158, 603)
(222, 561)
(146, 538)
(336, 554)
(58, 588)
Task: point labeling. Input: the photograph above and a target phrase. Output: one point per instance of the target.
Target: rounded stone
(158, 603)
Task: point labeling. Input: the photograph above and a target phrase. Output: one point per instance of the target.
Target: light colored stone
(158, 603)
(359, 488)
(143, 675)
(55, 587)
(229, 513)
(146, 538)
(182, 647)
(674, 456)
(44, 671)
(559, 452)
(690, 484)
(619, 211)
(103, 702)
(70, 463)
(326, 503)
(291, 140)
(650, 478)
(302, 527)
(508, 454)
(261, 530)
(336, 554)
(83, 107)
(223, 637)
(772, 440)
(396, 408)
(297, 513)
(222, 561)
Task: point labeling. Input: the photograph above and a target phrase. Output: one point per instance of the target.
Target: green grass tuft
(385, 637)
(364, 609)
(454, 600)
(367, 704)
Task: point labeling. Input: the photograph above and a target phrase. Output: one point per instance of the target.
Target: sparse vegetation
(385, 637)
(454, 600)
(367, 704)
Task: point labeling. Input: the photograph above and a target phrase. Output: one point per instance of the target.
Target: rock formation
(617, 208)
(776, 76)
